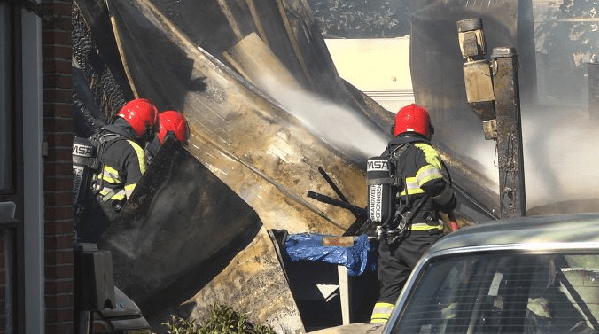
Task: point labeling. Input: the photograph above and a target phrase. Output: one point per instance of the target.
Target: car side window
(504, 293)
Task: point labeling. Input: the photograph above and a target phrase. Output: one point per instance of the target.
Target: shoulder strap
(398, 150)
(394, 157)
(106, 137)
(405, 203)
(103, 139)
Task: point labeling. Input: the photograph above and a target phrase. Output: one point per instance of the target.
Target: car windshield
(502, 292)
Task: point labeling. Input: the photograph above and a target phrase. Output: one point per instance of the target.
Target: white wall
(378, 67)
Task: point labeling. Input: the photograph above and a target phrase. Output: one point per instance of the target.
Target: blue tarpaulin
(308, 247)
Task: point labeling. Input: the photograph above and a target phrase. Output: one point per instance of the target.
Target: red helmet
(172, 121)
(141, 114)
(413, 118)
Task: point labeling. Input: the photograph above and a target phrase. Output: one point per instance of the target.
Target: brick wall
(58, 185)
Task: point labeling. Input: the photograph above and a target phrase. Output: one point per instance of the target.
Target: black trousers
(396, 261)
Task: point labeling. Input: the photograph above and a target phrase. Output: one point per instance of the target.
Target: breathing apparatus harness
(393, 216)
(87, 165)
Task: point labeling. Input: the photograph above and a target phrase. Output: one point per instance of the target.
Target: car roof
(554, 229)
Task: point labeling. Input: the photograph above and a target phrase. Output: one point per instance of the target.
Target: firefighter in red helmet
(422, 190)
(122, 159)
(172, 124)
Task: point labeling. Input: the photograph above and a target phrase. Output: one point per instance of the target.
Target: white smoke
(336, 125)
(560, 147)
(561, 154)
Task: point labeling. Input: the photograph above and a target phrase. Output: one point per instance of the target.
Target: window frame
(8, 61)
(12, 227)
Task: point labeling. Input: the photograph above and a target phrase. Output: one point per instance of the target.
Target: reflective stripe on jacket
(422, 177)
(424, 167)
(124, 164)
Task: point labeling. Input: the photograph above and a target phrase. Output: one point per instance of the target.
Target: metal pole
(509, 132)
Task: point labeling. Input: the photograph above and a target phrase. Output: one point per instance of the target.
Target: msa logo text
(382, 165)
(83, 150)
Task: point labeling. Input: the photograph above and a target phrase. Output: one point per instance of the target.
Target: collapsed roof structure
(257, 85)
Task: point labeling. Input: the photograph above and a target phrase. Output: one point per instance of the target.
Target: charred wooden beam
(509, 133)
(593, 73)
(492, 93)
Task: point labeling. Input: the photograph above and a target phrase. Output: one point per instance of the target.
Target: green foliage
(572, 26)
(565, 40)
(223, 319)
(361, 18)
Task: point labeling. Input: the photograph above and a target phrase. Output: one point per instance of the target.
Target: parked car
(536, 274)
